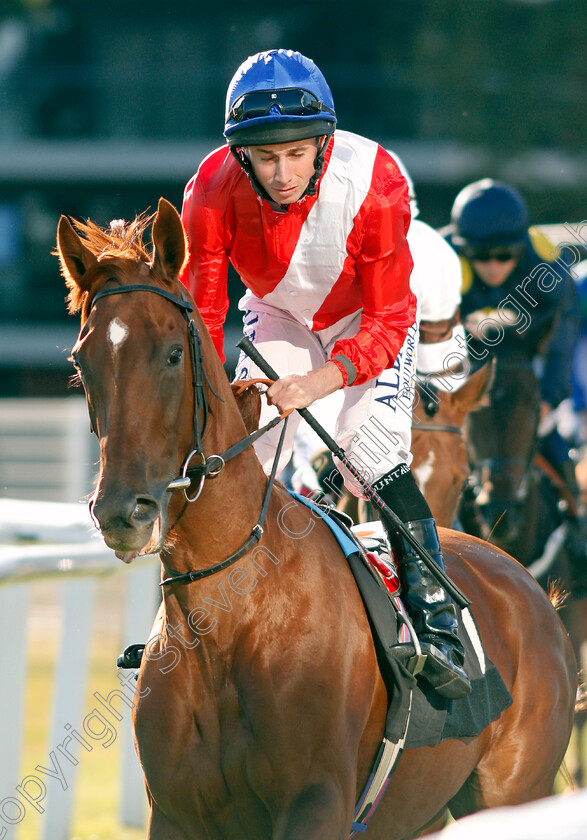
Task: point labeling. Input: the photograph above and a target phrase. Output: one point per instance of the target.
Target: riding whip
(247, 346)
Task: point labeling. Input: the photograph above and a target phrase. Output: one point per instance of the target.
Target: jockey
(314, 221)
(516, 278)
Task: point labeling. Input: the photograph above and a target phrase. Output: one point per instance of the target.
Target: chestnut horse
(259, 701)
(440, 457)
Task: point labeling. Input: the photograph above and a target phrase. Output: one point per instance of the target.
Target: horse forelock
(121, 239)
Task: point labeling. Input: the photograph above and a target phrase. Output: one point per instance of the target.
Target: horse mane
(120, 239)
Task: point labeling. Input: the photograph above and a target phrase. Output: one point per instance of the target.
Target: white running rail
(78, 564)
(47, 458)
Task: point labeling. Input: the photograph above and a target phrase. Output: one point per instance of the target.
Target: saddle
(416, 715)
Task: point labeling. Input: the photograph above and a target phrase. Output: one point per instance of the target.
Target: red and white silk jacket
(320, 259)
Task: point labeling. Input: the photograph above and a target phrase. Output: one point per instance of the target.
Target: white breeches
(371, 422)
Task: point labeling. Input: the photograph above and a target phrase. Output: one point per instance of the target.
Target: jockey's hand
(299, 390)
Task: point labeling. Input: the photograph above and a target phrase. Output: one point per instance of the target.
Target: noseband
(436, 427)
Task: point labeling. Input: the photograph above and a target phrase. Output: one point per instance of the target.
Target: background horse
(515, 499)
(519, 501)
(440, 459)
(259, 702)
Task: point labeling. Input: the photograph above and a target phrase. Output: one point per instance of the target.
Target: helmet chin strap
(318, 167)
(244, 161)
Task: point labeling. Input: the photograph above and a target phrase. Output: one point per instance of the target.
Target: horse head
(440, 458)
(501, 436)
(137, 359)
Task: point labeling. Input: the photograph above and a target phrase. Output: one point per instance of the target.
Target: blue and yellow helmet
(488, 214)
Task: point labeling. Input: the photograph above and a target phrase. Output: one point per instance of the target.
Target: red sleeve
(206, 272)
(383, 264)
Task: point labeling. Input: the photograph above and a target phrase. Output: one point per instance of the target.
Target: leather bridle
(436, 427)
(213, 465)
(431, 407)
(199, 376)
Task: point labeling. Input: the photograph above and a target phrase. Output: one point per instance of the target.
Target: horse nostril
(124, 511)
(146, 509)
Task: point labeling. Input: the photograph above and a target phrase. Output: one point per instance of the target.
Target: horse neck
(205, 617)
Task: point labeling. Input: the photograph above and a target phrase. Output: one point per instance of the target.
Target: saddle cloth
(432, 718)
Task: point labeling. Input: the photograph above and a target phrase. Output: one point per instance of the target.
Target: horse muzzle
(131, 525)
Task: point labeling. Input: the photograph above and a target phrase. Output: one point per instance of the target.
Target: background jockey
(499, 254)
(436, 282)
(579, 379)
(314, 221)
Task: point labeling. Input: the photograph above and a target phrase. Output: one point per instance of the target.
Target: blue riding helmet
(488, 214)
(277, 96)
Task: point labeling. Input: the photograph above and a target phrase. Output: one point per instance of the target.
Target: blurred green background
(96, 814)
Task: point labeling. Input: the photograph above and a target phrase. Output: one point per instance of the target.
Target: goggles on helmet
(293, 102)
(503, 255)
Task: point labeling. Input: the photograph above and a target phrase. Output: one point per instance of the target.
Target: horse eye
(175, 357)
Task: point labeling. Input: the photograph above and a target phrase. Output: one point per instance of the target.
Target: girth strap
(384, 764)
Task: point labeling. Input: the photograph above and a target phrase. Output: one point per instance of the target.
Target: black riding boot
(430, 607)
(433, 613)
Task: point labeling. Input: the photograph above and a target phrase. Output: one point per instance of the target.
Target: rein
(564, 493)
(255, 536)
(214, 464)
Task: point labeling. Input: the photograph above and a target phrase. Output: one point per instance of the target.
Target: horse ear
(169, 241)
(471, 395)
(75, 259)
